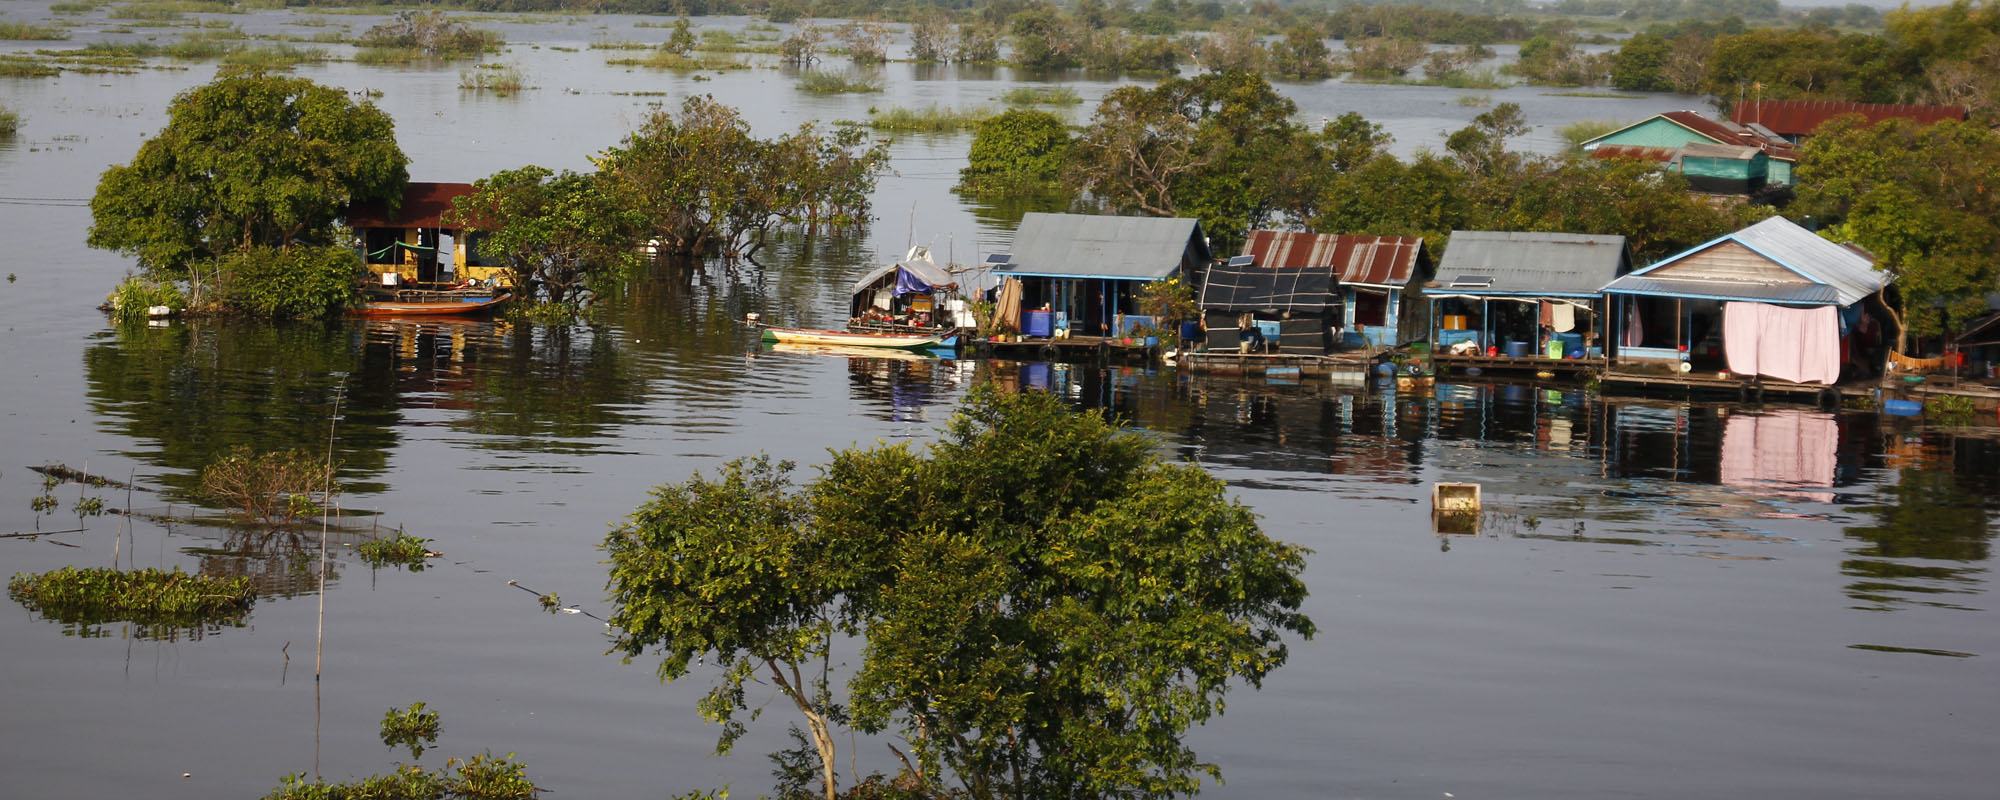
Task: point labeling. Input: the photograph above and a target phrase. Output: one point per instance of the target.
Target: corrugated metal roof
(1800, 117)
(1575, 264)
(1850, 273)
(1640, 152)
(1729, 151)
(1143, 248)
(928, 271)
(1732, 133)
(423, 203)
(1387, 261)
(1795, 294)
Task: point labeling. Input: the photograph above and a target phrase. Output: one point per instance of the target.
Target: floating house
(1721, 169)
(413, 245)
(1516, 294)
(1082, 273)
(1293, 308)
(1379, 278)
(912, 293)
(1794, 120)
(1772, 300)
(1675, 129)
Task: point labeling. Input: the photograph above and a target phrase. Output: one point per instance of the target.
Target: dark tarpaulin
(1253, 288)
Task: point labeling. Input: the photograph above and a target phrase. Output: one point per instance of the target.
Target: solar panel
(999, 258)
(1242, 261)
(1472, 280)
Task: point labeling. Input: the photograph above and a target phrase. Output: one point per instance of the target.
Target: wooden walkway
(1073, 349)
(1279, 365)
(1570, 368)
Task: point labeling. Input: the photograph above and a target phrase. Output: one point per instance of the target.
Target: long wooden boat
(910, 341)
(414, 303)
(845, 351)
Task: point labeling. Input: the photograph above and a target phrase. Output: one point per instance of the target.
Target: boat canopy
(911, 276)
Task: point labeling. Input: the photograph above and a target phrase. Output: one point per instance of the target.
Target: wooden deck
(1278, 365)
(1073, 349)
(1566, 368)
(1742, 389)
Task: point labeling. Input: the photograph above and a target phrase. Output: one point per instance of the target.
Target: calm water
(1668, 600)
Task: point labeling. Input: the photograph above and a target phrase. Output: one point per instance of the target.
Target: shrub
(10, 121)
(294, 283)
(133, 300)
(431, 33)
(25, 31)
(276, 487)
(829, 83)
(499, 79)
(399, 550)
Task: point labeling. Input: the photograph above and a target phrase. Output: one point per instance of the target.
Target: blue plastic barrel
(1517, 349)
(1902, 408)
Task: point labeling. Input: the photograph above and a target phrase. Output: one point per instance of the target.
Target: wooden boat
(891, 353)
(425, 303)
(910, 341)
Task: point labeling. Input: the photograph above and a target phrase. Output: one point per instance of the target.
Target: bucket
(1517, 349)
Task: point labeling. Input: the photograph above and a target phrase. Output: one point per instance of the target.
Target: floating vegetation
(484, 777)
(413, 727)
(203, 46)
(277, 488)
(601, 45)
(401, 550)
(55, 474)
(389, 55)
(829, 83)
(502, 79)
(1041, 96)
(10, 121)
(156, 600)
(22, 67)
(25, 31)
(73, 8)
(934, 119)
(280, 56)
(661, 59)
(1475, 100)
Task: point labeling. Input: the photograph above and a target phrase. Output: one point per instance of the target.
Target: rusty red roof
(1640, 152)
(1732, 133)
(423, 204)
(1365, 260)
(1799, 117)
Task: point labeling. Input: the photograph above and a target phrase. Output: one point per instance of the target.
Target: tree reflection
(195, 389)
(1923, 543)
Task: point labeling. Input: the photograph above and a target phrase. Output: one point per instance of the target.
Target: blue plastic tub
(1036, 324)
(1902, 408)
(1517, 349)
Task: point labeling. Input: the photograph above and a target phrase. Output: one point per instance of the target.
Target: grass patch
(202, 47)
(661, 59)
(828, 83)
(500, 79)
(148, 597)
(620, 46)
(10, 121)
(1041, 96)
(279, 57)
(23, 67)
(34, 33)
(934, 119)
(73, 8)
(1475, 100)
(401, 550)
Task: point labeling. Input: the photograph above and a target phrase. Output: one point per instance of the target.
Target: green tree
(295, 283)
(1016, 151)
(558, 234)
(247, 160)
(1302, 54)
(1921, 199)
(1045, 39)
(1221, 147)
(1641, 64)
(1046, 605)
(707, 187)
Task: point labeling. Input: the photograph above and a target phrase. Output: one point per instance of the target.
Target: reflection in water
(1933, 526)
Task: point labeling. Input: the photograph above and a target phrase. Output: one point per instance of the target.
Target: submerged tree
(558, 234)
(1046, 605)
(707, 187)
(249, 160)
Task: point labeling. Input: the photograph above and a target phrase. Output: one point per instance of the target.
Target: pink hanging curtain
(1801, 345)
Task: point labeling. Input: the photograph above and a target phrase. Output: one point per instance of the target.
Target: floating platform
(1561, 368)
(1076, 349)
(1351, 367)
(1741, 388)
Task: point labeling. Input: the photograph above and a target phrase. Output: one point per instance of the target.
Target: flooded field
(1664, 600)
